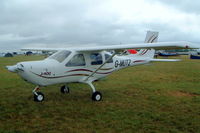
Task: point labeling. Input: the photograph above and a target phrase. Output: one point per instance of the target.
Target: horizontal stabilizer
(166, 60)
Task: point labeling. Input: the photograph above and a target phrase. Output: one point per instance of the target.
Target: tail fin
(151, 37)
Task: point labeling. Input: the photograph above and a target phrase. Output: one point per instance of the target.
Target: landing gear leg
(96, 96)
(64, 89)
(38, 96)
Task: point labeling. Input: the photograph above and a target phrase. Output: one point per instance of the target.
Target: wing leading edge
(156, 46)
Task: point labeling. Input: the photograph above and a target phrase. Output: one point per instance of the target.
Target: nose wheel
(38, 96)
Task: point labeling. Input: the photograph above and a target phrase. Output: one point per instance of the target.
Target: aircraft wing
(157, 46)
(43, 49)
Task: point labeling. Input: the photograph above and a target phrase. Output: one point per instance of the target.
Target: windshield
(60, 56)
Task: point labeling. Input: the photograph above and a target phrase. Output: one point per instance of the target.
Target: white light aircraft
(88, 64)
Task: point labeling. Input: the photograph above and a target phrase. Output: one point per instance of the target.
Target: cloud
(51, 23)
(186, 5)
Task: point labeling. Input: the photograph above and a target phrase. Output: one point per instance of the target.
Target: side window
(107, 56)
(96, 59)
(77, 60)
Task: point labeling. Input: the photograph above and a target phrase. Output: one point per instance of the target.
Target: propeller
(15, 68)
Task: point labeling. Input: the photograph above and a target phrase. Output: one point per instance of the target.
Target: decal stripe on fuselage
(60, 76)
(87, 70)
(75, 70)
(138, 61)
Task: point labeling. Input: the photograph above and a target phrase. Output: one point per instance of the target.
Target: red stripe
(60, 76)
(86, 70)
(139, 61)
(104, 73)
(104, 69)
(89, 71)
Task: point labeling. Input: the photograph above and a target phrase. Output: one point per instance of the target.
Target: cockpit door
(78, 60)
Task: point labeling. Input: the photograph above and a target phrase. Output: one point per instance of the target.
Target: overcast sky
(59, 23)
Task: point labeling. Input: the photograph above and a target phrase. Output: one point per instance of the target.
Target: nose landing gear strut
(38, 96)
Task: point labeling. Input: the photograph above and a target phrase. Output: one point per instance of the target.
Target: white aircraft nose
(12, 68)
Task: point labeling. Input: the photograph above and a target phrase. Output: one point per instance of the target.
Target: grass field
(162, 97)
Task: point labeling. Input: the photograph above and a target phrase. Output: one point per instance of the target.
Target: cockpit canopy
(60, 56)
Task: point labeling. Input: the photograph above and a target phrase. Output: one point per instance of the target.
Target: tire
(64, 89)
(39, 97)
(96, 96)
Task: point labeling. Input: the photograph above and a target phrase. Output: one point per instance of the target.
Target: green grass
(162, 97)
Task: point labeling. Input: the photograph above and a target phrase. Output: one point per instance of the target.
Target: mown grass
(157, 98)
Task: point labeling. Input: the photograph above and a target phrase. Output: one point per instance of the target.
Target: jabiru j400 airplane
(88, 64)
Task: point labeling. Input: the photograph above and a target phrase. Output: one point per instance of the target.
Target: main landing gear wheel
(96, 96)
(39, 97)
(64, 89)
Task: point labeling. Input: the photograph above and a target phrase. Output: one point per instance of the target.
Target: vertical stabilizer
(151, 37)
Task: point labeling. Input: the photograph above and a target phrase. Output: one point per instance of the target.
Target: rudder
(151, 37)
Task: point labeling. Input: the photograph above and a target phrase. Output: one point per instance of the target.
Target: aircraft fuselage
(49, 71)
